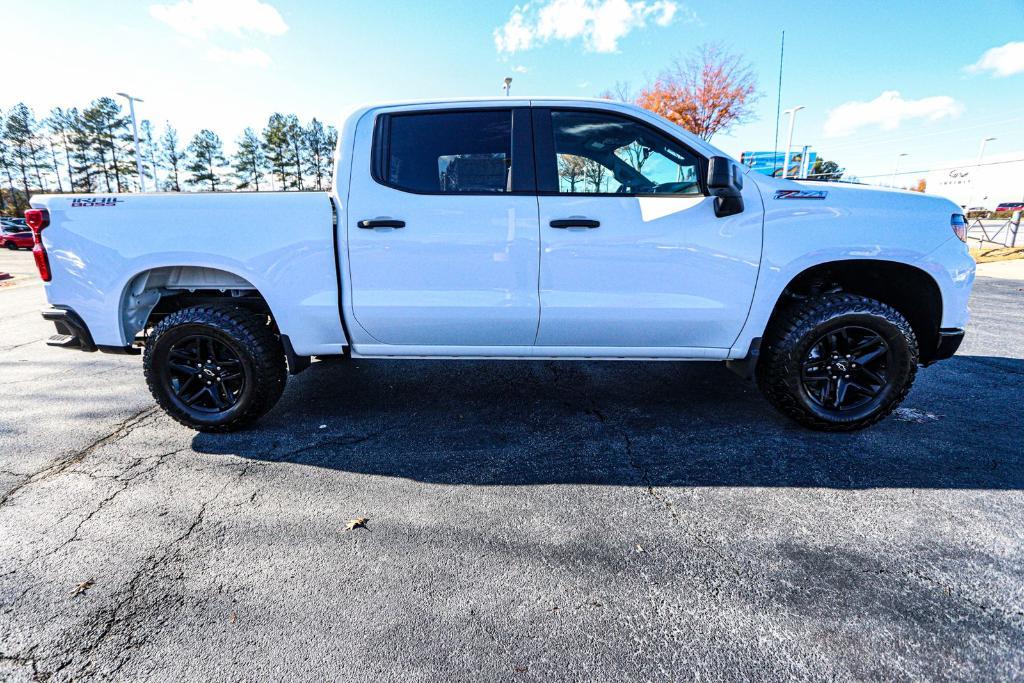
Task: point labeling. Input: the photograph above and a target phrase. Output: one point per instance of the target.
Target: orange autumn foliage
(707, 93)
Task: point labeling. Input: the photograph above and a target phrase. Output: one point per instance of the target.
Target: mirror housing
(725, 182)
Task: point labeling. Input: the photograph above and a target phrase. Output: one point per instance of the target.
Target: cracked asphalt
(527, 521)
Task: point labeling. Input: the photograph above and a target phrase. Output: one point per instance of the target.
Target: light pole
(896, 168)
(977, 169)
(805, 162)
(135, 136)
(789, 140)
(508, 85)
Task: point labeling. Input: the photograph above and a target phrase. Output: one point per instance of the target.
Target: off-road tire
(252, 340)
(794, 330)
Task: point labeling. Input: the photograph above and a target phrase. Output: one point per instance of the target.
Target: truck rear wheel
(838, 362)
(215, 368)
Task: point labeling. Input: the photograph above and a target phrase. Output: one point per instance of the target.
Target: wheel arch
(910, 290)
(153, 293)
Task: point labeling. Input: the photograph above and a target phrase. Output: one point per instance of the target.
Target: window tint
(451, 152)
(608, 154)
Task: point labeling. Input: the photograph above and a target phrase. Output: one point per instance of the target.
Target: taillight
(959, 225)
(37, 219)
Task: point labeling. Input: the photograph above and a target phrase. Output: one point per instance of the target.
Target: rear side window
(458, 152)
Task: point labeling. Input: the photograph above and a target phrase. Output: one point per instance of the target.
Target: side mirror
(725, 182)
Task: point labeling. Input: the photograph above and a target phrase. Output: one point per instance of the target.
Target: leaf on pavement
(356, 523)
(82, 587)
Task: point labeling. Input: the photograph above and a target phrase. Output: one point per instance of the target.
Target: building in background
(999, 178)
(770, 163)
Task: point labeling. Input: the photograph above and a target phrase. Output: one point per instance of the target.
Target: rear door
(442, 228)
(632, 253)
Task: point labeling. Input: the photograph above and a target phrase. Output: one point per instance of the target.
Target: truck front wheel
(215, 368)
(837, 362)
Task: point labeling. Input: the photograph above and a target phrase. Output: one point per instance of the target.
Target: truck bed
(279, 243)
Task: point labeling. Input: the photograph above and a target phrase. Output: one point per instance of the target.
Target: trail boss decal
(800, 194)
(82, 202)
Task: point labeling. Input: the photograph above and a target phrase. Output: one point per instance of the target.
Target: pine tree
(87, 167)
(250, 162)
(206, 159)
(320, 143)
(297, 143)
(60, 124)
(108, 128)
(18, 135)
(172, 157)
(5, 168)
(278, 151)
(148, 150)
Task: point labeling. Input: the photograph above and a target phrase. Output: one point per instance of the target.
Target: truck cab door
(632, 251)
(442, 227)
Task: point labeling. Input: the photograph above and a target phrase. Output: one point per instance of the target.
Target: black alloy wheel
(204, 373)
(846, 369)
(215, 367)
(837, 362)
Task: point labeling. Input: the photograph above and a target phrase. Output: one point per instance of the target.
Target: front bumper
(949, 341)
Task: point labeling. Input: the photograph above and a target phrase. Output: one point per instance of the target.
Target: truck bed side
(281, 244)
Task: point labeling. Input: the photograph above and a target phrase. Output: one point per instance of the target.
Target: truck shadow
(630, 424)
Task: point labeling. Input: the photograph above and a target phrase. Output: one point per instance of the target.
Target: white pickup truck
(514, 229)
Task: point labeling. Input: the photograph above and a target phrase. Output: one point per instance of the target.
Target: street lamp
(789, 141)
(896, 168)
(977, 168)
(508, 85)
(135, 136)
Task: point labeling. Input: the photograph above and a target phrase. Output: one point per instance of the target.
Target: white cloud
(197, 18)
(888, 111)
(600, 23)
(249, 56)
(520, 69)
(1005, 60)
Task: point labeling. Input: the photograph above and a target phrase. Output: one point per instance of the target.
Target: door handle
(380, 223)
(575, 223)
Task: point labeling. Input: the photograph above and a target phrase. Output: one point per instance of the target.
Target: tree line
(92, 150)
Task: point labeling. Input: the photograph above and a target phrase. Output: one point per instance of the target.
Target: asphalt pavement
(525, 521)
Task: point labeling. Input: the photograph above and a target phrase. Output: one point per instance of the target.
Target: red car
(1010, 207)
(16, 237)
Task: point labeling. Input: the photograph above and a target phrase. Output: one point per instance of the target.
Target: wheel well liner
(908, 289)
(153, 294)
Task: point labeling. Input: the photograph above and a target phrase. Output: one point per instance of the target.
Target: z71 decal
(82, 202)
(801, 194)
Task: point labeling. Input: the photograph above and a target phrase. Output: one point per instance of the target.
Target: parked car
(978, 212)
(13, 236)
(1006, 209)
(515, 229)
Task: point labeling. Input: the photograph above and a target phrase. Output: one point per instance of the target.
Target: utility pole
(135, 136)
(896, 168)
(789, 141)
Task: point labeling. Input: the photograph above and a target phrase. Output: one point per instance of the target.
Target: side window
(606, 154)
(449, 152)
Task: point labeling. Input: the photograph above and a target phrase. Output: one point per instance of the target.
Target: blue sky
(227, 64)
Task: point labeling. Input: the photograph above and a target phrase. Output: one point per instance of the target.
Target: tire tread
(794, 322)
(250, 331)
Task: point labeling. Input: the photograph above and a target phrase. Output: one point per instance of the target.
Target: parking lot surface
(525, 521)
